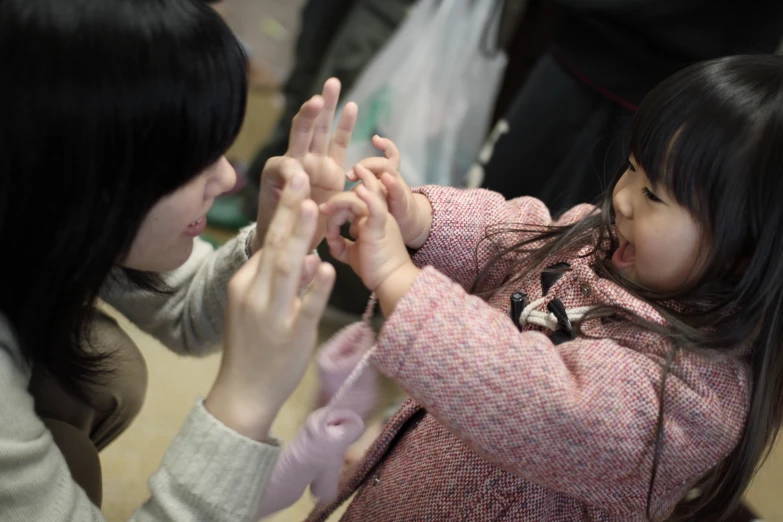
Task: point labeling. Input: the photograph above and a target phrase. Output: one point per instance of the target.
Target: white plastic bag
(431, 89)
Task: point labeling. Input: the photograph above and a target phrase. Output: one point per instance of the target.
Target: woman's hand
(378, 255)
(310, 147)
(413, 212)
(270, 330)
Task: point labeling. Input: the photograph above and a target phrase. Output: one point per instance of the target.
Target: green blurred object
(227, 213)
(211, 240)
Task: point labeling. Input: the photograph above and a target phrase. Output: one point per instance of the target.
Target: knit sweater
(209, 472)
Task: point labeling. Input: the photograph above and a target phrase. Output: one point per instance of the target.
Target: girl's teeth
(196, 222)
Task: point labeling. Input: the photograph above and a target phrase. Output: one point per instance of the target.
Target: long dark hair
(713, 135)
(105, 107)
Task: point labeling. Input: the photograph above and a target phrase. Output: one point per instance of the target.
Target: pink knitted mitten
(349, 391)
(314, 458)
(337, 359)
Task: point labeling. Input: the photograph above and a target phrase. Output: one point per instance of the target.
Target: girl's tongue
(624, 256)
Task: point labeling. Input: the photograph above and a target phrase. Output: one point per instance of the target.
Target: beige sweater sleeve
(190, 319)
(208, 473)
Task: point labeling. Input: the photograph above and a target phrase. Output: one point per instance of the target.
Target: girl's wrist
(424, 218)
(395, 286)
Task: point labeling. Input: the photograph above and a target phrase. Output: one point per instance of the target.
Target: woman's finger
(338, 148)
(309, 268)
(280, 229)
(315, 300)
(290, 260)
(323, 125)
(302, 127)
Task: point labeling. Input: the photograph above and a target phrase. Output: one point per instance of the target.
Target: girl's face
(165, 239)
(661, 245)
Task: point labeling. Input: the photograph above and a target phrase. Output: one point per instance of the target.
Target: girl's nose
(621, 199)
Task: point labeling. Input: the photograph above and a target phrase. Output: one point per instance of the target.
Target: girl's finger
(338, 248)
(302, 127)
(369, 181)
(315, 300)
(338, 148)
(376, 221)
(376, 165)
(323, 125)
(344, 200)
(335, 222)
(397, 192)
(389, 149)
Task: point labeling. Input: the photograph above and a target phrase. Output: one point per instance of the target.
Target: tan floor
(175, 383)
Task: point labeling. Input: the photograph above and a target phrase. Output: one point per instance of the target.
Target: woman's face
(165, 239)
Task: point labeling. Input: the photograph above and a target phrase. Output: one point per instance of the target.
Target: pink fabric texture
(314, 458)
(347, 395)
(337, 359)
(504, 425)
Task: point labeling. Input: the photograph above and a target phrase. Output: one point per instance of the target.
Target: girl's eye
(630, 166)
(652, 197)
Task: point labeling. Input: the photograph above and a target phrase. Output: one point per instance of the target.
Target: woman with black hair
(114, 120)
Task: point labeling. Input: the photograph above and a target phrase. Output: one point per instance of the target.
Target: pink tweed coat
(506, 425)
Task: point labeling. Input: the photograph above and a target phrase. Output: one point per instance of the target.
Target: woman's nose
(223, 179)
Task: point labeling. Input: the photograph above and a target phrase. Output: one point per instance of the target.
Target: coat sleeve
(579, 417)
(457, 245)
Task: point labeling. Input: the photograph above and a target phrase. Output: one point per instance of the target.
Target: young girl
(607, 365)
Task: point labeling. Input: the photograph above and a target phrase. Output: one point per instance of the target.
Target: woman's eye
(652, 197)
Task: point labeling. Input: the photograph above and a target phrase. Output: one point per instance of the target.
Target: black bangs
(697, 135)
(126, 99)
(186, 94)
(158, 85)
(106, 106)
(193, 99)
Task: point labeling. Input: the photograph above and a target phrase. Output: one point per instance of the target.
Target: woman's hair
(105, 107)
(712, 134)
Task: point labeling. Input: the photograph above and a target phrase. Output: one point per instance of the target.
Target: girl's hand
(378, 255)
(412, 211)
(313, 147)
(270, 329)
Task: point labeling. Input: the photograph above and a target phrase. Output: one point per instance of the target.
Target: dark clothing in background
(568, 123)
